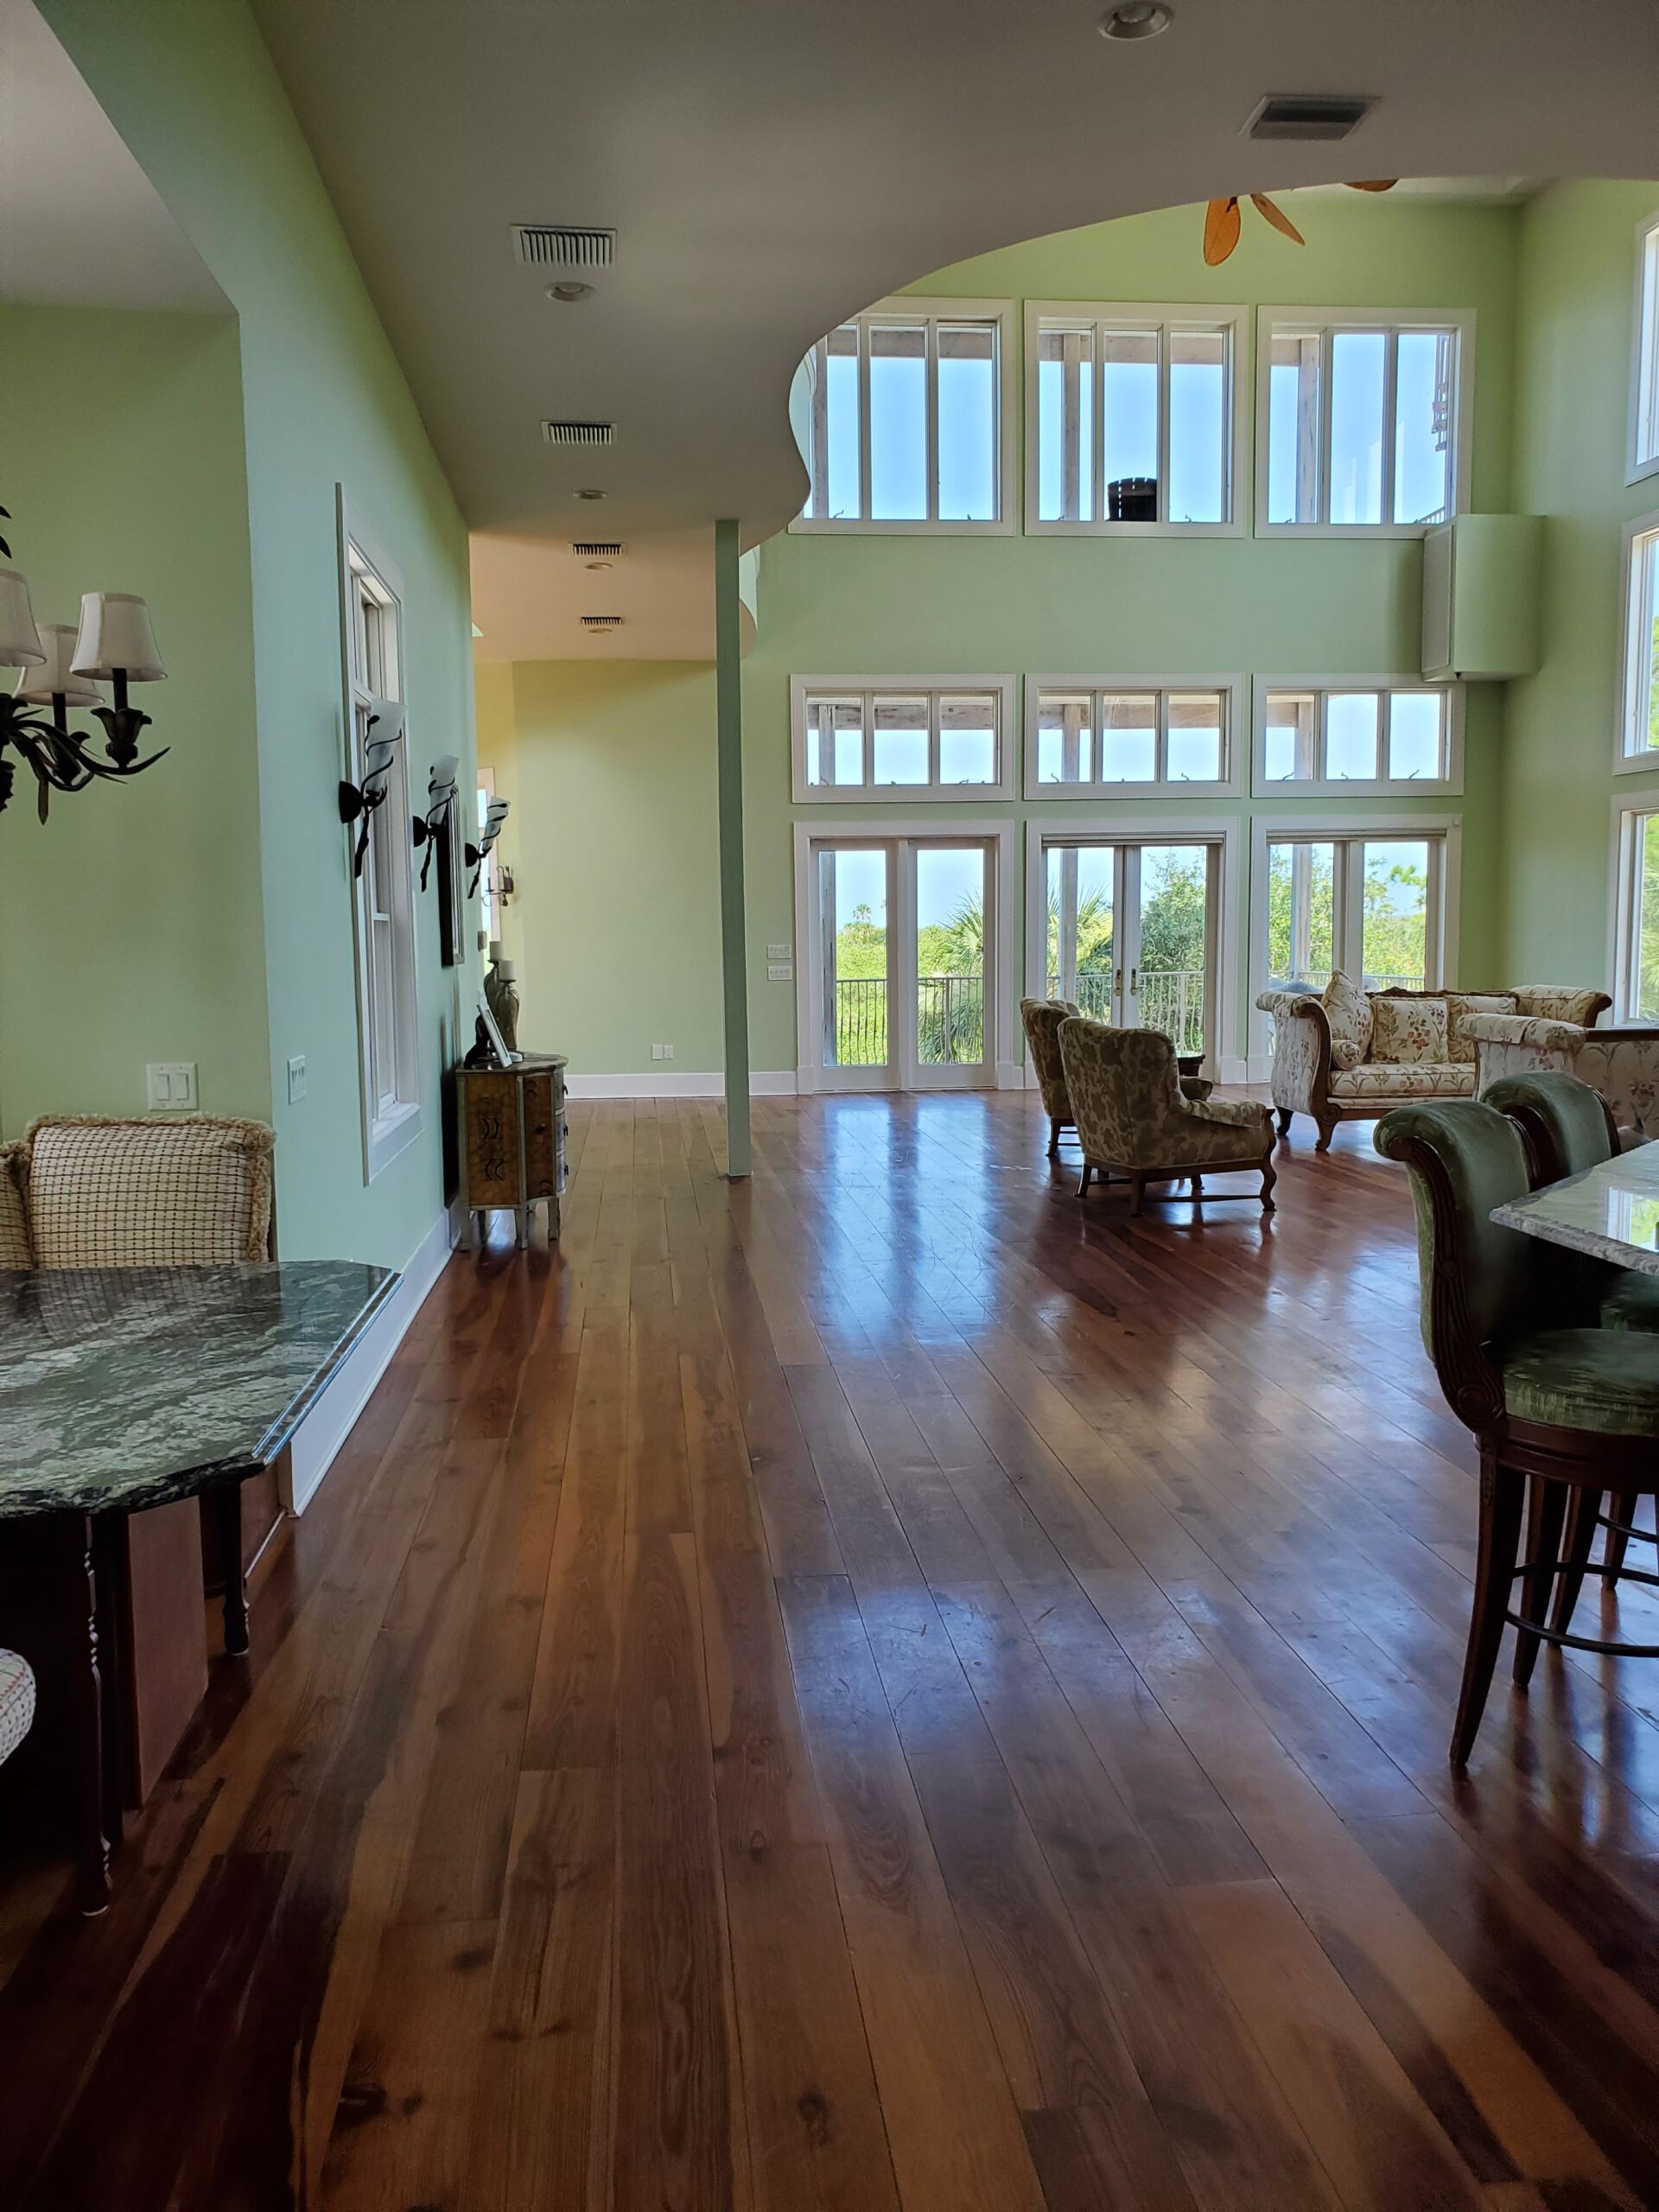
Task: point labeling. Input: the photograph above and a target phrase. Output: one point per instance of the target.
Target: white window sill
(387, 1138)
(833, 527)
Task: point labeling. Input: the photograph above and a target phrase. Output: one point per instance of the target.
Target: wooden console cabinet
(511, 1124)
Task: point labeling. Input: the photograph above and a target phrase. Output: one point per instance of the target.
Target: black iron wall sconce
(495, 815)
(441, 794)
(358, 801)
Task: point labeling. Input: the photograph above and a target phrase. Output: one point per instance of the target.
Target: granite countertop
(125, 1387)
(1611, 1210)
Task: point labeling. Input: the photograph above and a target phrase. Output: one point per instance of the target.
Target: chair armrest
(1301, 1051)
(1272, 1001)
(1522, 1029)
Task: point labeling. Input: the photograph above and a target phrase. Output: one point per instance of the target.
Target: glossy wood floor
(880, 1687)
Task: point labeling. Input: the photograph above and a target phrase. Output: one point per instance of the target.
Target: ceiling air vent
(564, 245)
(602, 622)
(598, 548)
(1307, 115)
(578, 434)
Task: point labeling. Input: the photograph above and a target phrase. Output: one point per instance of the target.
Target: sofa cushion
(1408, 1032)
(15, 1250)
(1404, 1080)
(1348, 1011)
(189, 1193)
(17, 1701)
(1459, 1004)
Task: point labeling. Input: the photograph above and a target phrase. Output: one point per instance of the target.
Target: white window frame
(803, 688)
(1627, 759)
(1338, 320)
(1004, 475)
(1624, 933)
(1314, 828)
(1223, 832)
(1230, 781)
(999, 833)
(1451, 784)
(393, 1122)
(1109, 315)
(1644, 431)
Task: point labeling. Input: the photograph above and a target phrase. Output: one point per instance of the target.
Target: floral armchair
(1134, 1121)
(1621, 1063)
(1042, 1019)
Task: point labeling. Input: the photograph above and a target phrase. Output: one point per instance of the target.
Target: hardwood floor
(879, 1689)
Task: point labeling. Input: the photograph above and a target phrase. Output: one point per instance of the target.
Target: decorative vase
(501, 996)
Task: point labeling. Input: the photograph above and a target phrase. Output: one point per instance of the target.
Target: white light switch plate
(170, 1086)
(297, 1079)
(662, 1052)
(780, 952)
(779, 971)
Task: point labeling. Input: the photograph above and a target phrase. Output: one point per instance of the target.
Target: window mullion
(935, 710)
(1097, 409)
(1390, 428)
(1160, 756)
(866, 751)
(931, 411)
(864, 502)
(1163, 421)
(1327, 372)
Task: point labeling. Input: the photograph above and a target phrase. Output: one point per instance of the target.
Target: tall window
(1637, 988)
(859, 738)
(1132, 421)
(388, 1003)
(1365, 735)
(1363, 422)
(1645, 364)
(906, 427)
(1639, 720)
(1152, 734)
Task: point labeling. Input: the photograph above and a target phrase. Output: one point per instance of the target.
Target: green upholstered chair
(1566, 1128)
(1562, 1409)
(1134, 1120)
(1041, 1018)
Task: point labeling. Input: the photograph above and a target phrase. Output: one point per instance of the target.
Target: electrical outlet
(170, 1086)
(297, 1079)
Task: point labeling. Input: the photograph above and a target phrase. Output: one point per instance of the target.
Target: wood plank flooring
(878, 1689)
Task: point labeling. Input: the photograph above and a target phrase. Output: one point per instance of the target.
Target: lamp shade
(20, 641)
(57, 679)
(116, 635)
(441, 781)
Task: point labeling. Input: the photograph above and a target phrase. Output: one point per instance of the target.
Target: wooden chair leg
(1284, 1120)
(1198, 1187)
(1269, 1177)
(1575, 1554)
(1502, 1495)
(1137, 1191)
(1327, 1128)
(1053, 1137)
(1619, 1509)
(1084, 1179)
(1546, 1511)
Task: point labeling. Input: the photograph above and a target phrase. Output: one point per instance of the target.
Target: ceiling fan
(1221, 219)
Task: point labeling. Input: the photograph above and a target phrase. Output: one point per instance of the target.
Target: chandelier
(62, 665)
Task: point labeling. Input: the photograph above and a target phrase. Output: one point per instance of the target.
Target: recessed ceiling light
(568, 294)
(1135, 19)
(590, 495)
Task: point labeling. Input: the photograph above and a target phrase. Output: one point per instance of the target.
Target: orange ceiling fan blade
(1276, 216)
(1375, 184)
(1221, 229)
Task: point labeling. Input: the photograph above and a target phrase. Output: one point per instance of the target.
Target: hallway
(878, 1687)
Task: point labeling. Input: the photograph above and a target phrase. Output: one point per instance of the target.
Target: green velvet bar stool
(1566, 1128)
(1565, 1409)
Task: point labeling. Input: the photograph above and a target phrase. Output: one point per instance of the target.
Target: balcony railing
(1172, 998)
(950, 1021)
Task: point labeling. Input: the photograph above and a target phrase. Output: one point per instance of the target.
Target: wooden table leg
(227, 1520)
(86, 1715)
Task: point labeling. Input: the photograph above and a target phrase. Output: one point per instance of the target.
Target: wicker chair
(1134, 1120)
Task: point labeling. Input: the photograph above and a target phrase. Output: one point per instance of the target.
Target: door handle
(1134, 982)
(1117, 984)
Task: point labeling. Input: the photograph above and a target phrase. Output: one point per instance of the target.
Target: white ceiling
(772, 167)
(81, 224)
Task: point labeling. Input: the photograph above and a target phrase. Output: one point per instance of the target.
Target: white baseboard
(764, 1083)
(328, 1425)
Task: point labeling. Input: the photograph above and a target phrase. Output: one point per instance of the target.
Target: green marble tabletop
(127, 1387)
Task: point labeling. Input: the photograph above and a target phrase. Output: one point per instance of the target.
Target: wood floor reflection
(879, 1687)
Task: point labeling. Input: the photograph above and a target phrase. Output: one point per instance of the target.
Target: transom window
(1638, 745)
(1644, 367)
(1153, 734)
(1370, 734)
(1362, 419)
(906, 419)
(868, 737)
(1132, 421)
(1637, 987)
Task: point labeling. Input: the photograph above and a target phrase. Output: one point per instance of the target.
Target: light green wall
(618, 911)
(192, 91)
(1577, 292)
(889, 605)
(131, 919)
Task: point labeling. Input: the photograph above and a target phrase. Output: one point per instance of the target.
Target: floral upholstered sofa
(1621, 1063)
(1350, 1054)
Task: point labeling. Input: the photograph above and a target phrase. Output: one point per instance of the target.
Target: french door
(1132, 933)
(1369, 906)
(901, 963)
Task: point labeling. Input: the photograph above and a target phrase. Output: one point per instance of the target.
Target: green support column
(734, 945)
